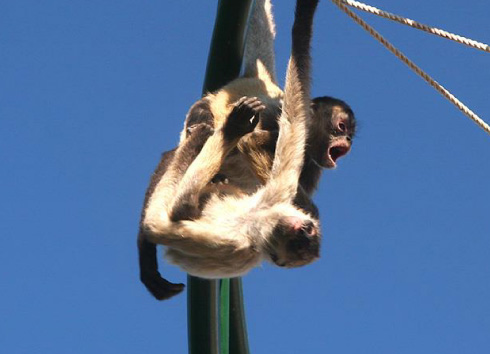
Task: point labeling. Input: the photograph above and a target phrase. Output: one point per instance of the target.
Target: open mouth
(335, 152)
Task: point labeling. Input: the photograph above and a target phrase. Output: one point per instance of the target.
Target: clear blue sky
(91, 92)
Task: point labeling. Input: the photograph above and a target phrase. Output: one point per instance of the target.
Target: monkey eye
(342, 127)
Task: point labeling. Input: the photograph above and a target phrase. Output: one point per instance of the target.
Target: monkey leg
(260, 42)
(197, 136)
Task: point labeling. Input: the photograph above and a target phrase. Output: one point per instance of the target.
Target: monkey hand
(200, 129)
(198, 133)
(243, 118)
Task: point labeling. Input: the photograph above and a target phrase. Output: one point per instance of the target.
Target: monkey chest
(239, 173)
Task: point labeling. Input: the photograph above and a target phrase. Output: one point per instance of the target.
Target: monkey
(204, 240)
(248, 166)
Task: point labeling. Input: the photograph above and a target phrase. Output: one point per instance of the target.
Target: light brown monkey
(247, 164)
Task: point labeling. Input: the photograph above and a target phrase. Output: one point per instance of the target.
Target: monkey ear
(312, 109)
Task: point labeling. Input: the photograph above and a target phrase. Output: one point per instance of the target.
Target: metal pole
(224, 62)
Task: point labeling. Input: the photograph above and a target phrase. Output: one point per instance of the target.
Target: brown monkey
(248, 164)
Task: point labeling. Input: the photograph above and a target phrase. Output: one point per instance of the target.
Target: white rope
(406, 21)
(468, 112)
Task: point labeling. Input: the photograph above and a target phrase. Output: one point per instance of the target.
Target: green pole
(224, 316)
(224, 62)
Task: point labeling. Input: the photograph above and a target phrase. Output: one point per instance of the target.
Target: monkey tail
(259, 54)
(159, 287)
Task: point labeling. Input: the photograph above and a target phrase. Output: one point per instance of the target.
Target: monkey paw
(197, 135)
(243, 118)
(199, 129)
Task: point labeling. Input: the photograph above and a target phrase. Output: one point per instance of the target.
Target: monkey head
(333, 128)
(295, 241)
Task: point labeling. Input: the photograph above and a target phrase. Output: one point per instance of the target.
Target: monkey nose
(301, 227)
(308, 228)
(307, 241)
(304, 228)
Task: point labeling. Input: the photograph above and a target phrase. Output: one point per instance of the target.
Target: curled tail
(160, 288)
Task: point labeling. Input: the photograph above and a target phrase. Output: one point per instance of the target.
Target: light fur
(238, 222)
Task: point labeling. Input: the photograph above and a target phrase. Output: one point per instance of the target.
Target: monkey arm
(241, 120)
(185, 203)
(303, 201)
(289, 156)
(166, 180)
(310, 176)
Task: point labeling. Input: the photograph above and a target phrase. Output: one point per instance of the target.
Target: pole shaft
(224, 63)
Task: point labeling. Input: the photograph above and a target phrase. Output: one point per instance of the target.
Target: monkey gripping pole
(224, 62)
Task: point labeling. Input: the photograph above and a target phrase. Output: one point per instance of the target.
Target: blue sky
(91, 92)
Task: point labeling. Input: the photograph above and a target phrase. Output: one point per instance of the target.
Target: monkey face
(296, 242)
(332, 132)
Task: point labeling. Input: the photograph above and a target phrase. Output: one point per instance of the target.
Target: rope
(408, 22)
(468, 112)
